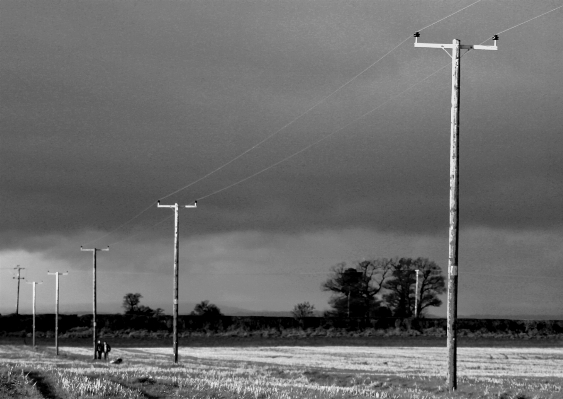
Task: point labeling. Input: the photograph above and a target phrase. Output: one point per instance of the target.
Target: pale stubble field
(294, 372)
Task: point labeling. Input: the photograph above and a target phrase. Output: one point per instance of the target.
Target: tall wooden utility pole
(94, 334)
(176, 258)
(18, 268)
(34, 283)
(456, 47)
(57, 274)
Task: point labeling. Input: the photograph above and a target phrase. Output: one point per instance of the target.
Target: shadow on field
(148, 387)
(65, 355)
(44, 388)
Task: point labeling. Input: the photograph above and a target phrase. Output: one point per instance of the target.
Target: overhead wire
(324, 137)
(324, 99)
(525, 22)
(123, 224)
(314, 144)
(255, 145)
(303, 114)
(364, 115)
(452, 14)
(321, 101)
(143, 231)
(531, 19)
(192, 273)
(511, 275)
(307, 111)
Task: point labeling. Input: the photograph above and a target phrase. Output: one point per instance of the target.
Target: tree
(206, 309)
(131, 302)
(210, 314)
(144, 311)
(431, 283)
(132, 306)
(400, 296)
(355, 290)
(302, 310)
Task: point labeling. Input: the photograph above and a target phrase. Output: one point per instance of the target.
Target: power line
(306, 274)
(322, 100)
(511, 275)
(259, 143)
(531, 19)
(123, 224)
(315, 105)
(525, 22)
(143, 231)
(290, 123)
(440, 20)
(362, 116)
(303, 114)
(324, 137)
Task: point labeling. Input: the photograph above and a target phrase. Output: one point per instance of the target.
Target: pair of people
(103, 347)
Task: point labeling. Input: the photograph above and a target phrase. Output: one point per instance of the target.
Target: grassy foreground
(262, 372)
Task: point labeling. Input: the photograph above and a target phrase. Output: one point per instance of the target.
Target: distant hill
(516, 316)
(234, 311)
(264, 313)
(187, 307)
(184, 309)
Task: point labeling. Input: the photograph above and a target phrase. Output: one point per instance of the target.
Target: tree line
(374, 288)
(383, 287)
(132, 306)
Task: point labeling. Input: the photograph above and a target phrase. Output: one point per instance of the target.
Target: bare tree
(131, 302)
(400, 288)
(355, 288)
(432, 284)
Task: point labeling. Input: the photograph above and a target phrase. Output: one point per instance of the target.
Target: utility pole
(34, 283)
(18, 268)
(176, 257)
(57, 274)
(416, 296)
(456, 47)
(94, 250)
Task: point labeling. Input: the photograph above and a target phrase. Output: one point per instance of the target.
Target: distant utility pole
(416, 297)
(34, 284)
(94, 250)
(176, 257)
(57, 274)
(18, 268)
(348, 305)
(456, 47)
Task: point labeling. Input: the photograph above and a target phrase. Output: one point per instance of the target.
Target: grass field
(261, 372)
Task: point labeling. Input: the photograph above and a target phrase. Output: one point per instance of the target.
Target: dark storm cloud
(109, 106)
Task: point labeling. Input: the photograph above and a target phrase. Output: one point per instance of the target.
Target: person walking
(99, 349)
(107, 349)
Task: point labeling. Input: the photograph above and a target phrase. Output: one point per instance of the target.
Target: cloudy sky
(109, 106)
